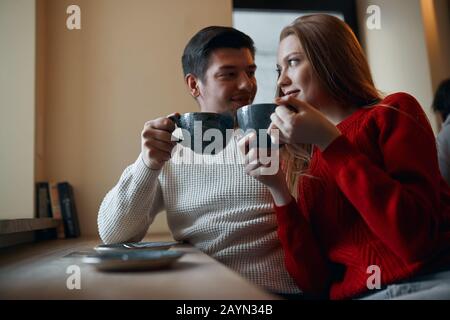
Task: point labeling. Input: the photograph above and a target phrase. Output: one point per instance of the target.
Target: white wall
(397, 53)
(17, 108)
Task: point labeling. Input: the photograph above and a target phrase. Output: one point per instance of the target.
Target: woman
(371, 205)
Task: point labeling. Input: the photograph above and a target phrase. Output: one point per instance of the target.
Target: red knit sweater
(373, 197)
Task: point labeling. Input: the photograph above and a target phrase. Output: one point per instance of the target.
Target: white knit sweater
(214, 206)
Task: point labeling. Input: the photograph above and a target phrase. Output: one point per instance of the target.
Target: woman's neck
(336, 112)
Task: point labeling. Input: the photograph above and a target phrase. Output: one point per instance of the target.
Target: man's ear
(193, 84)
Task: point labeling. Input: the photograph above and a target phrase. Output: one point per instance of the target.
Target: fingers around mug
(278, 138)
(249, 167)
(160, 135)
(274, 134)
(174, 117)
(252, 156)
(164, 123)
(279, 123)
(258, 171)
(243, 145)
(284, 112)
(255, 172)
(163, 146)
(272, 128)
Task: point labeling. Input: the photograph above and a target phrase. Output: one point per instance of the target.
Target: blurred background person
(441, 105)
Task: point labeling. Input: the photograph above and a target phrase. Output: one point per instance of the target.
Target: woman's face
(296, 76)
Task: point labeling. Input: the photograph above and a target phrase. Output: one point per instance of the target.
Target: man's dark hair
(441, 102)
(196, 55)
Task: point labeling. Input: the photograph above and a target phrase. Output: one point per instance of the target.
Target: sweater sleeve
(399, 202)
(130, 207)
(303, 257)
(443, 145)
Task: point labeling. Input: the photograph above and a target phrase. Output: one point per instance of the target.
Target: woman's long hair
(338, 62)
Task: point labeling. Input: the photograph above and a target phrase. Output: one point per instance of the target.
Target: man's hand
(275, 181)
(156, 142)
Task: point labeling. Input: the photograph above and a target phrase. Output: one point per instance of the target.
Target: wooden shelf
(25, 225)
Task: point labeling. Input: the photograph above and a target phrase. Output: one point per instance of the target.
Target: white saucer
(135, 246)
(133, 260)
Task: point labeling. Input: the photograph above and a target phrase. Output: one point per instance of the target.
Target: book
(68, 210)
(43, 206)
(44, 210)
(56, 209)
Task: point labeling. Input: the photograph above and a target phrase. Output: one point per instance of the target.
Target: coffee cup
(204, 132)
(256, 118)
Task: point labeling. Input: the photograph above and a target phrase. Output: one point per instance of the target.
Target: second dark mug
(203, 129)
(256, 118)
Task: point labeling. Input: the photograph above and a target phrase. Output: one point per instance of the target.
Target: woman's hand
(306, 126)
(265, 168)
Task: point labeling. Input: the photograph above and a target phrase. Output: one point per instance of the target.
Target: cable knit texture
(211, 204)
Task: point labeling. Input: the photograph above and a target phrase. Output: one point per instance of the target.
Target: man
(216, 207)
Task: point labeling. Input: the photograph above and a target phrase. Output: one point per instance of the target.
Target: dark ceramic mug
(256, 118)
(203, 129)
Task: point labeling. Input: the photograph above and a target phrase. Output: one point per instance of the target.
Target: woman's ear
(192, 83)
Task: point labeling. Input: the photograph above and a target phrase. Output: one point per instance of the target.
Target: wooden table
(38, 271)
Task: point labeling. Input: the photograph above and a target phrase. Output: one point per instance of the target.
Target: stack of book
(56, 200)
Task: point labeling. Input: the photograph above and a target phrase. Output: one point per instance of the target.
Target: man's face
(229, 81)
